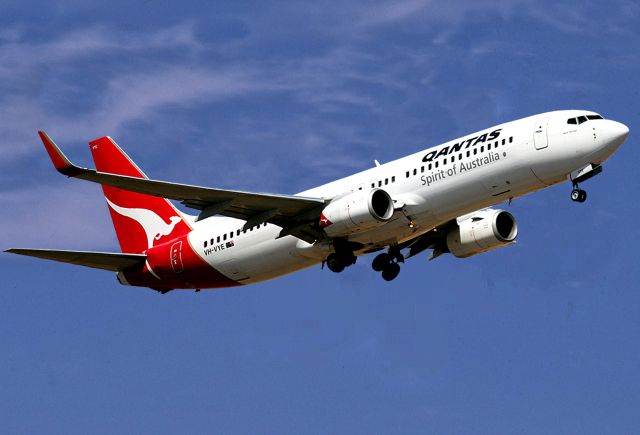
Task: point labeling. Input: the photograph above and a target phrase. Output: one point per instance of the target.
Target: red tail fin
(141, 221)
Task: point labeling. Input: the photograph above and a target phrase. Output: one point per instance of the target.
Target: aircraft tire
(583, 196)
(380, 261)
(578, 195)
(334, 264)
(346, 258)
(390, 271)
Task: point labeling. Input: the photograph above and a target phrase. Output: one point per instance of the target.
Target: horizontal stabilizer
(98, 260)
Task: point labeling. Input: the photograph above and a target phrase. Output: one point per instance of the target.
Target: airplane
(438, 199)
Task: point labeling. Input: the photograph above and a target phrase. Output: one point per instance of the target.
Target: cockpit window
(581, 119)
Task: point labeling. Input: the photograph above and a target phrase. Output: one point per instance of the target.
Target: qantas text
(466, 143)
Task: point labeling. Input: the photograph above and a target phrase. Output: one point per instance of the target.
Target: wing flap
(97, 260)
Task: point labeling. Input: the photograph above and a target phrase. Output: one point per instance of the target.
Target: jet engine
(482, 231)
(356, 212)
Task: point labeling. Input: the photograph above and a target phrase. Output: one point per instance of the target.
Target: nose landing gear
(580, 175)
(387, 263)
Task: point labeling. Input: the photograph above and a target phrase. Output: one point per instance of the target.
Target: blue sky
(541, 337)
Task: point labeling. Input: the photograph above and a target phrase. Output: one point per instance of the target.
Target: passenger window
(421, 168)
(373, 185)
(436, 163)
(415, 172)
(572, 121)
(482, 149)
(393, 179)
(510, 139)
(475, 151)
(468, 153)
(224, 236)
(386, 181)
(429, 166)
(205, 243)
(504, 141)
(218, 239)
(444, 162)
(380, 183)
(407, 174)
(453, 159)
(237, 233)
(460, 156)
(231, 235)
(489, 147)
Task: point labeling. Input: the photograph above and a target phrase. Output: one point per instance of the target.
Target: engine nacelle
(482, 231)
(355, 212)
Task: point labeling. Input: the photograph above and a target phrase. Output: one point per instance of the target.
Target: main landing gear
(577, 194)
(387, 263)
(338, 261)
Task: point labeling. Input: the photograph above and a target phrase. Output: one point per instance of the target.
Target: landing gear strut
(577, 194)
(387, 263)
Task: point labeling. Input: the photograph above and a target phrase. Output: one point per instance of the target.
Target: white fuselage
(473, 172)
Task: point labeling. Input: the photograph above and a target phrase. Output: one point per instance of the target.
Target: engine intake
(481, 232)
(356, 212)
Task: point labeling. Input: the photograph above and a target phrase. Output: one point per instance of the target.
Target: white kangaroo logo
(154, 226)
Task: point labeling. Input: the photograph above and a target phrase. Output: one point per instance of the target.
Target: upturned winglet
(59, 160)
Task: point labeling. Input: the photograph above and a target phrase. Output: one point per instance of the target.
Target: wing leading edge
(292, 213)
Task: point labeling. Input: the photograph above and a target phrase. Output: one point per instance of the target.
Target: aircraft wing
(292, 213)
(97, 260)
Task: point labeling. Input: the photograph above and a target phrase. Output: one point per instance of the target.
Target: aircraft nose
(614, 134)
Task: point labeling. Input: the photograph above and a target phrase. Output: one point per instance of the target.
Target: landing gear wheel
(334, 264)
(575, 195)
(578, 195)
(380, 262)
(390, 271)
(583, 196)
(346, 258)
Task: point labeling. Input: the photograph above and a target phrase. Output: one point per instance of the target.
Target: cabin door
(540, 138)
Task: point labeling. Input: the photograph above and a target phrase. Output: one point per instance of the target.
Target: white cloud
(134, 96)
(127, 97)
(19, 56)
(388, 12)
